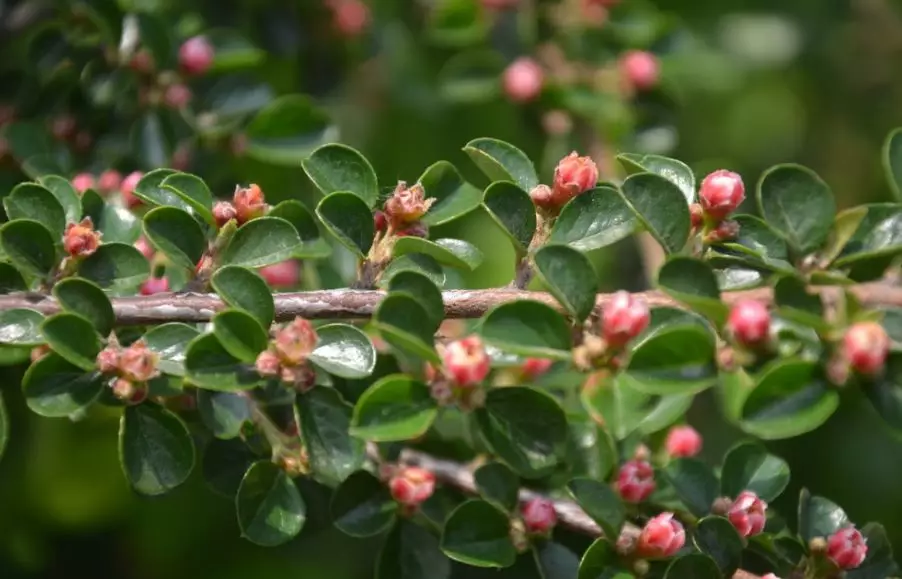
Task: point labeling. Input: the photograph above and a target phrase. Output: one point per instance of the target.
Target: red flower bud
(138, 363)
(249, 203)
(82, 182)
(302, 378)
(543, 197)
(749, 323)
(866, 346)
(523, 80)
(720, 193)
(223, 212)
(696, 215)
(284, 274)
(145, 247)
(636, 481)
(80, 239)
(380, 222)
(412, 485)
(177, 96)
(128, 189)
(847, 548)
(350, 17)
(196, 55)
(683, 441)
(109, 181)
(640, 69)
(108, 360)
(63, 127)
(128, 391)
(572, 176)
(267, 364)
(466, 361)
(154, 285)
(535, 367)
(623, 318)
(295, 342)
(407, 205)
(662, 536)
(747, 513)
(538, 515)
(725, 231)
(142, 62)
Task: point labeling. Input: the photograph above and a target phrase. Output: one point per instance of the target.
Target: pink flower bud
(63, 127)
(142, 62)
(145, 247)
(683, 441)
(572, 176)
(223, 212)
(636, 481)
(466, 361)
(177, 96)
(380, 221)
(128, 391)
(108, 360)
(407, 205)
(302, 378)
(109, 181)
(538, 516)
(82, 182)
(847, 548)
(267, 364)
(411, 485)
(725, 231)
(295, 342)
(662, 536)
(284, 274)
(196, 55)
(138, 363)
(696, 215)
(640, 69)
(623, 318)
(747, 513)
(80, 239)
(866, 346)
(720, 193)
(523, 80)
(749, 323)
(543, 197)
(249, 203)
(535, 367)
(350, 17)
(769, 576)
(154, 285)
(128, 189)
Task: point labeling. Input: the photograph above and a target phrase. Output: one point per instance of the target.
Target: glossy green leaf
(269, 506)
(717, 538)
(116, 266)
(502, 161)
(10, 279)
(150, 189)
(885, 393)
(693, 566)
(594, 219)
(499, 485)
(394, 408)
(73, 338)
(844, 227)
(451, 252)
(65, 193)
(819, 517)
(335, 167)
(325, 421)
(344, 351)
(37, 203)
(209, 365)
(155, 37)
(525, 428)
(454, 197)
(21, 327)
(692, 282)
(82, 297)
(312, 242)
(883, 240)
(287, 130)
(600, 502)
(170, 342)
(54, 387)
(193, 191)
(797, 203)
(240, 334)
(411, 552)
(420, 287)
(694, 483)
(362, 506)
(796, 303)
(262, 241)
(415, 262)
(601, 561)
(758, 239)
(570, 277)
(29, 246)
(117, 223)
(892, 162)
(512, 209)
(155, 448)
(406, 325)
(349, 219)
(660, 207)
(232, 51)
(625, 410)
(678, 359)
(478, 534)
(527, 328)
(224, 413)
(555, 561)
(176, 235)
(748, 466)
(224, 464)
(244, 289)
(675, 171)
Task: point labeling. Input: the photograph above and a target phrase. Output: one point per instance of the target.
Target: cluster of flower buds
(636, 480)
(623, 318)
(748, 513)
(410, 486)
(572, 176)
(719, 195)
(81, 239)
(131, 368)
(247, 203)
(749, 325)
(847, 548)
(662, 536)
(286, 357)
(683, 441)
(539, 516)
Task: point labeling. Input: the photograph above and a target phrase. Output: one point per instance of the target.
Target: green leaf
(4, 426)
(21, 327)
(693, 566)
(527, 328)
(451, 252)
(624, 409)
(64, 192)
(798, 204)
(312, 242)
(362, 506)
(791, 398)
(155, 448)
(150, 189)
(325, 421)
(232, 51)
(269, 506)
(154, 34)
(600, 502)
(87, 299)
(885, 393)
(748, 466)
(512, 209)
(244, 289)
(692, 282)
(176, 235)
(74, 338)
(54, 387)
(844, 227)
(287, 130)
(525, 428)
(193, 191)
(209, 365)
(415, 262)
(394, 408)
(819, 517)
(405, 324)
(411, 552)
(678, 359)
(10, 279)
(454, 197)
(224, 413)
(502, 161)
(694, 483)
(335, 167)
(117, 223)
(240, 334)
(892, 162)
(344, 351)
(29, 246)
(555, 561)
(224, 464)
(170, 342)
(262, 241)
(478, 534)
(600, 561)
(660, 207)
(594, 219)
(879, 562)
(349, 219)
(420, 287)
(675, 171)
(570, 277)
(718, 538)
(116, 266)
(759, 240)
(883, 240)
(795, 303)
(37, 203)
(499, 485)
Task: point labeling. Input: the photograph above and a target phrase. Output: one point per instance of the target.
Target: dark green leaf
(420, 287)
(797, 304)
(695, 484)
(155, 448)
(411, 552)
(224, 413)
(454, 197)
(209, 365)
(884, 393)
(512, 209)
(325, 423)
(600, 561)
(819, 517)
(693, 566)
(262, 241)
(797, 203)
(288, 130)
(394, 408)
(224, 464)
(4, 426)
(344, 351)
(844, 227)
(478, 534)
(502, 161)
(717, 537)
(759, 240)
(570, 277)
(406, 325)
(270, 508)
(555, 561)
(675, 171)
(883, 240)
(232, 51)
(72, 337)
(176, 235)
(150, 190)
(335, 167)
(879, 562)
(64, 192)
(748, 466)
(240, 334)
(692, 282)
(116, 266)
(527, 328)
(244, 289)
(29, 246)
(154, 34)
(152, 140)
(193, 191)
(594, 219)
(498, 484)
(10, 279)
(451, 252)
(87, 299)
(312, 242)
(624, 409)
(117, 223)
(678, 359)
(170, 342)
(55, 388)
(362, 506)
(600, 502)
(349, 219)
(660, 207)
(892, 162)
(415, 262)
(21, 327)
(35, 202)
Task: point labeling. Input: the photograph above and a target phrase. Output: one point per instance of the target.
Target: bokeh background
(749, 83)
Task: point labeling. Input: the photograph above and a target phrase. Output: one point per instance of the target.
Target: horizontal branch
(360, 304)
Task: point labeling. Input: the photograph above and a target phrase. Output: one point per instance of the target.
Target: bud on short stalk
(284, 274)
(866, 346)
(406, 205)
(748, 514)
(109, 181)
(749, 323)
(223, 212)
(683, 441)
(107, 360)
(80, 239)
(636, 481)
(624, 317)
(411, 486)
(847, 548)
(523, 80)
(177, 96)
(154, 285)
(539, 516)
(534, 367)
(294, 342)
(573, 176)
(268, 364)
(466, 362)
(725, 231)
(720, 193)
(138, 363)
(82, 182)
(128, 391)
(196, 55)
(249, 203)
(661, 537)
(696, 216)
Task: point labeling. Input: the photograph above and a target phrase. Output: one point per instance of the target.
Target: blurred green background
(750, 83)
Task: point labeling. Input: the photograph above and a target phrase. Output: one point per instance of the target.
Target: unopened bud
(866, 346)
(721, 193)
(523, 80)
(82, 182)
(725, 231)
(407, 205)
(138, 363)
(127, 189)
(268, 364)
(412, 485)
(572, 176)
(661, 537)
(80, 239)
(154, 285)
(847, 548)
(749, 323)
(636, 481)
(624, 317)
(683, 441)
(748, 514)
(129, 392)
(109, 181)
(640, 69)
(196, 55)
(466, 361)
(249, 203)
(294, 342)
(538, 516)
